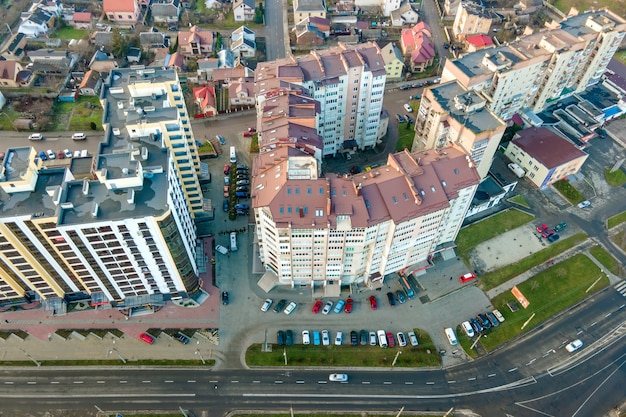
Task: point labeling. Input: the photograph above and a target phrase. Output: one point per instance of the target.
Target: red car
(546, 234)
(316, 307)
(146, 338)
(226, 191)
(373, 302)
(467, 277)
(542, 228)
(226, 169)
(349, 303)
(390, 340)
(248, 134)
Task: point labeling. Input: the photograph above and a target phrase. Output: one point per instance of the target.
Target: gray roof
(472, 64)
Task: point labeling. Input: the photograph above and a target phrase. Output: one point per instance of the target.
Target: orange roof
(479, 40)
(118, 5)
(83, 17)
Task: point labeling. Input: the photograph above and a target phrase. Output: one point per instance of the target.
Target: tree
(119, 45)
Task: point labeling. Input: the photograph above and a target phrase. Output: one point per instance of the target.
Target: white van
(467, 327)
(233, 155)
(233, 242)
(382, 338)
(451, 336)
(79, 136)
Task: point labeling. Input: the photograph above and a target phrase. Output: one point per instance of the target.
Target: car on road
(338, 378)
(467, 277)
(306, 337)
(79, 136)
(553, 238)
(492, 318)
(339, 307)
(498, 315)
(182, 338)
(50, 154)
(146, 338)
(225, 298)
(400, 118)
(339, 338)
(560, 227)
(408, 108)
(280, 337)
(413, 339)
(401, 339)
(391, 299)
(280, 306)
(584, 204)
(316, 307)
(363, 337)
(373, 340)
(226, 169)
(290, 308)
(349, 305)
(35, 136)
(542, 228)
(325, 338)
(574, 346)
(221, 139)
(288, 337)
(401, 297)
(390, 340)
(266, 305)
(327, 307)
(354, 338)
(373, 302)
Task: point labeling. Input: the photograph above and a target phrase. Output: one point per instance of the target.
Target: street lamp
(396, 358)
(201, 358)
(285, 355)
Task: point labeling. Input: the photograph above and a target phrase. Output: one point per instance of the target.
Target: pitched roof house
(394, 62)
(241, 93)
(166, 11)
(404, 15)
(204, 97)
(11, 74)
(416, 43)
(478, 42)
(91, 84)
(81, 20)
(244, 10)
(243, 42)
(312, 31)
(196, 41)
(121, 11)
(308, 8)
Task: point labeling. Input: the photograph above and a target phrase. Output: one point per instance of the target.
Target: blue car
(316, 338)
(492, 318)
(478, 328)
(242, 206)
(221, 139)
(43, 156)
(339, 307)
(225, 205)
(484, 321)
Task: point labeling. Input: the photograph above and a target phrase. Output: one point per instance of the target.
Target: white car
(401, 339)
(325, 338)
(339, 338)
(373, 339)
(382, 338)
(51, 154)
(467, 328)
(221, 249)
(327, 307)
(35, 136)
(68, 153)
(408, 108)
(338, 378)
(413, 339)
(306, 337)
(584, 204)
(498, 315)
(574, 346)
(292, 306)
(266, 305)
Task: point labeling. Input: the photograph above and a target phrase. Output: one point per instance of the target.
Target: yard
(548, 293)
(568, 192)
(69, 32)
(405, 137)
(78, 116)
(345, 355)
(619, 8)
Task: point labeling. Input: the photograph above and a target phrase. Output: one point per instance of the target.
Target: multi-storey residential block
(472, 18)
(118, 227)
(338, 230)
(347, 81)
(451, 115)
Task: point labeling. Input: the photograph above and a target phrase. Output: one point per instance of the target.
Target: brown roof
(547, 147)
(83, 17)
(118, 5)
(8, 70)
(197, 35)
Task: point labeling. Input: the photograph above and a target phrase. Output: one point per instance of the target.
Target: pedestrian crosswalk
(621, 288)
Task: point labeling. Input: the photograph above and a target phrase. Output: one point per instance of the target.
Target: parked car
(290, 308)
(247, 134)
(317, 338)
(241, 212)
(226, 191)
(252, 129)
(221, 249)
(409, 119)
(242, 189)
(242, 166)
(542, 228)
(35, 136)
(373, 302)
(574, 346)
(338, 378)
(584, 204)
(401, 297)
(363, 337)
(467, 277)
(349, 304)
(478, 328)
(467, 328)
(417, 84)
(50, 154)
(226, 180)
(266, 304)
(61, 155)
(221, 139)
(339, 338)
(226, 169)
(225, 205)
(553, 238)
(242, 206)
(492, 318)
(316, 307)
(415, 97)
(225, 298)
(146, 338)
(242, 194)
(498, 315)
(68, 153)
(243, 182)
(42, 156)
(560, 227)
(405, 86)
(373, 339)
(306, 337)
(484, 321)
(79, 136)
(390, 340)
(182, 338)
(280, 306)
(325, 338)
(400, 118)
(280, 338)
(401, 339)
(327, 307)
(413, 339)
(339, 307)
(288, 338)
(391, 299)
(382, 338)
(548, 233)
(408, 108)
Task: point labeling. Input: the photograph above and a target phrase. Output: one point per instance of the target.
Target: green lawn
(405, 137)
(71, 33)
(347, 356)
(206, 147)
(78, 115)
(548, 293)
(7, 118)
(570, 193)
(520, 200)
(497, 277)
(465, 342)
(605, 258)
(469, 237)
(621, 56)
(616, 220)
(616, 7)
(616, 178)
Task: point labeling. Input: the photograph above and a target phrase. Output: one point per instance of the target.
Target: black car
(182, 338)
(225, 297)
(225, 205)
(242, 175)
(405, 86)
(243, 189)
(391, 298)
(288, 337)
(364, 336)
(478, 328)
(484, 321)
(242, 212)
(280, 337)
(355, 169)
(354, 338)
(242, 166)
(280, 306)
(401, 296)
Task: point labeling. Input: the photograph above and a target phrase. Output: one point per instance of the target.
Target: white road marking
(471, 379)
(387, 383)
(300, 382)
(123, 382)
(8, 383)
(169, 381)
(191, 381)
(491, 375)
(54, 382)
(451, 382)
(432, 383)
(278, 382)
(593, 324)
(608, 314)
(78, 382)
(234, 382)
(531, 361)
(408, 383)
(99, 382)
(322, 382)
(213, 382)
(31, 383)
(512, 369)
(256, 382)
(365, 382)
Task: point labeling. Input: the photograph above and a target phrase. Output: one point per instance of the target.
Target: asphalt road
(275, 22)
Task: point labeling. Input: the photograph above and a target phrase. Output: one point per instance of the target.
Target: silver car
(327, 307)
(292, 306)
(266, 305)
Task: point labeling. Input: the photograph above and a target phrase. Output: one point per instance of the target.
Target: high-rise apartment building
(451, 115)
(324, 232)
(347, 81)
(537, 69)
(118, 227)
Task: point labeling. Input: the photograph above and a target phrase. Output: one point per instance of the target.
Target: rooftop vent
(94, 210)
(85, 187)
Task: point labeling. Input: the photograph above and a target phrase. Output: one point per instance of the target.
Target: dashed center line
(99, 382)
(78, 382)
(146, 382)
(322, 382)
(123, 382)
(169, 381)
(533, 360)
(593, 324)
(365, 382)
(408, 383)
(491, 375)
(191, 381)
(278, 382)
(299, 381)
(213, 382)
(31, 383)
(472, 379)
(451, 382)
(54, 382)
(256, 382)
(234, 382)
(387, 382)
(430, 383)
(8, 383)
(608, 314)
(512, 369)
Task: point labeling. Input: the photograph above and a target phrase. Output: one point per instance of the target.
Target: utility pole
(285, 355)
(201, 358)
(400, 412)
(396, 358)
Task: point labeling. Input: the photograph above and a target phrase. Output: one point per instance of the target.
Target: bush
(93, 126)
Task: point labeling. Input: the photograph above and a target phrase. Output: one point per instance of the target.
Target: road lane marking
(512, 369)
(234, 382)
(471, 379)
(579, 332)
(365, 382)
(608, 314)
(278, 382)
(531, 361)
(491, 375)
(408, 383)
(169, 381)
(123, 382)
(8, 383)
(256, 382)
(322, 382)
(430, 383)
(192, 381)
(99, 382)
(78, 382)
(54, 382)
(451, 382)
(299, 381)
(213, 382)
(146, 382)
(31, 382)
(593, 324)
(387, 383)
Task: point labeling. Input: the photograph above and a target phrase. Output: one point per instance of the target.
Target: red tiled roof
(118, 5)
(82, 17)
(479, 40)
(423, 51)
(550, 149)
(413, 38)
(205, 95)
(195, 34)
